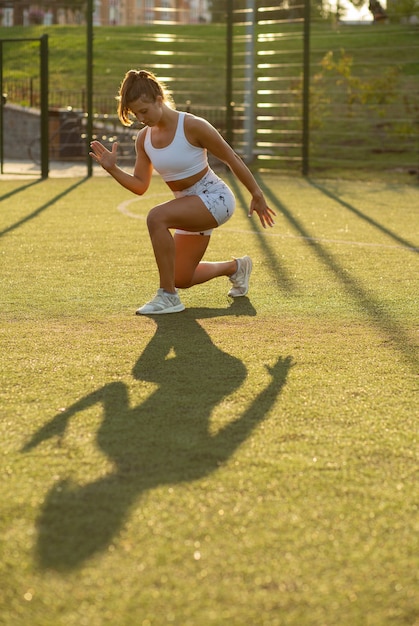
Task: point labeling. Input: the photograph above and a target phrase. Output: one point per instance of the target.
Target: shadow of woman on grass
(164, 440)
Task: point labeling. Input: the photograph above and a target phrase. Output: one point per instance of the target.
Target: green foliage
(402, 9)
(378, 90)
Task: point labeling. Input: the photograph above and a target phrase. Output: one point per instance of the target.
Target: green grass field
(241, 463)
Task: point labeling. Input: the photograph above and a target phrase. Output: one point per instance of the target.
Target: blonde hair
(139, 84)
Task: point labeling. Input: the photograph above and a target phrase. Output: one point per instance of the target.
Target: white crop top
(180, 158)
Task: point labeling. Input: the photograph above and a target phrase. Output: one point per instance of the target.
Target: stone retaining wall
(20, 126)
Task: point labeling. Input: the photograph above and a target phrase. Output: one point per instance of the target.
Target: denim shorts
(217, 197)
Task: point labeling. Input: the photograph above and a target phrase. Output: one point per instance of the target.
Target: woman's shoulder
(199, 131)
(194, 122)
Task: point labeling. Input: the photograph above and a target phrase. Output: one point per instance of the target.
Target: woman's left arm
(202, 133)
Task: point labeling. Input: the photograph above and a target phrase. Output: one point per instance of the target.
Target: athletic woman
(175, 144)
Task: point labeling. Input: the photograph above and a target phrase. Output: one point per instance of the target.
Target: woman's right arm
(139, 181)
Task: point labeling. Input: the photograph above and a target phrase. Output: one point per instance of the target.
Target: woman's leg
(189, 270)
(186, 213)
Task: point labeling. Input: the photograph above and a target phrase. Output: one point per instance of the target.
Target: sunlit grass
(244, 463)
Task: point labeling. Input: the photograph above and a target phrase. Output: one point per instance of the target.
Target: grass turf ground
(238, 463)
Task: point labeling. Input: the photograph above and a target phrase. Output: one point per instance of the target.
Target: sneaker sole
(173, 309)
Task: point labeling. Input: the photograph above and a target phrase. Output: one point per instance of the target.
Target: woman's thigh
(189, 251)
(186, 213)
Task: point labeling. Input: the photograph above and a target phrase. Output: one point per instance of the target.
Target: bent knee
(183, 280)
(183, 283)
(154, 219)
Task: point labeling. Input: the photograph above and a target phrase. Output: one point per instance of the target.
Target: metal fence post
(306, 90)
(249, 100)
(229, 74)
(89, 85)
(44, 107)
(1, 108)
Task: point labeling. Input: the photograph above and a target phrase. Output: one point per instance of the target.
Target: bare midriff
(185, 183)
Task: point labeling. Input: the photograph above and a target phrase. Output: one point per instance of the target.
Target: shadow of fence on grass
(373, 308)
(40, 209)
(284, 280)
(164, 440)
(14, 192)
(400, 240)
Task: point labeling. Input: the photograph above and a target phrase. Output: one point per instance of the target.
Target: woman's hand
(106, 158)
(258, 205)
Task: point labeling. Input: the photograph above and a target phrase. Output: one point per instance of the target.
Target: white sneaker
(163, 302)
(240, 279)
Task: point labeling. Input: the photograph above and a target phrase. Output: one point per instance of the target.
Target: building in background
(133, 12)
(45, 12)
(106, 12)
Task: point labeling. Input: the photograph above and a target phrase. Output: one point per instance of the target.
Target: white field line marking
(123, 208)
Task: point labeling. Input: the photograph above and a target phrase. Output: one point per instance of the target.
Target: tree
(402, 9)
